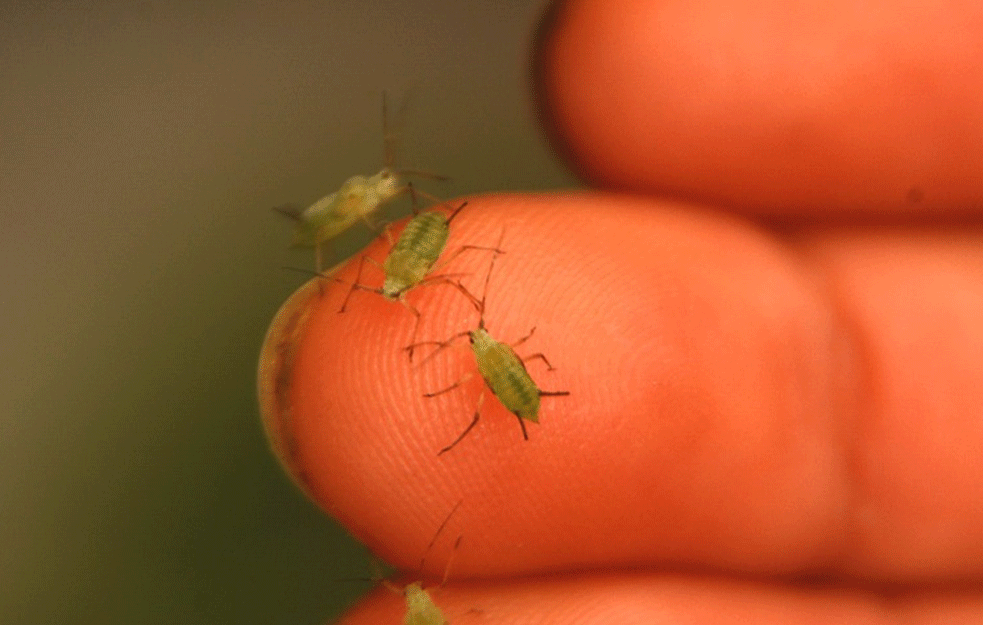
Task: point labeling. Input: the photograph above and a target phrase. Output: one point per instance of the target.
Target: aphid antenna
(388, 136)
(436, 535)
(376, 564)
(390, 140)
(504, 374)
(420, 173)
(289, 210)
(420, 606)
(484, 295)
(390, 132)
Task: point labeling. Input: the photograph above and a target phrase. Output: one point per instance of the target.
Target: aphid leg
(416, 324)
(526, 338)
(522, 424)
(446, 279)
(460, 251)
(441, 345)
(474, 422)
(322, 250)
(388, 231)
(464, 378)
(540, 357)
(316, 274)
(454, 212)
(553, 393)
(415, 193)
(367, 218)
(424, 194)
(356, 284)
(412, 192)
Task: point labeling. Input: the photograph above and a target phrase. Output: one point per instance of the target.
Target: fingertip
(275, 374)
(767, 107)
(651, 328)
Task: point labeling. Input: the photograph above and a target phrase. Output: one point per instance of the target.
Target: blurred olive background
(142, 146)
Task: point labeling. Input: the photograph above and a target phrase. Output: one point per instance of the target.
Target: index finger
(726, 409)
(772, 108)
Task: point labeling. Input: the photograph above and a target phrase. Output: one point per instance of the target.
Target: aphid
(412, 258)
(503, 370)
(420, 607)
(358, 198)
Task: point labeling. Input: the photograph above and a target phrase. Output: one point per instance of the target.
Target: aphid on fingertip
(412, 258)
(503, 371)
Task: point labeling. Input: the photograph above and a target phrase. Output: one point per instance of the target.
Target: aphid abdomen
(506, 376)
(424, 236)
(414, 253)
(319, 212)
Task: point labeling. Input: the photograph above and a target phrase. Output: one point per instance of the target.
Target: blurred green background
(142, 146)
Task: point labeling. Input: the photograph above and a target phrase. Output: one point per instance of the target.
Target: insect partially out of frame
(358, 199)
(503, 371)
(420, 606)
(412, 258)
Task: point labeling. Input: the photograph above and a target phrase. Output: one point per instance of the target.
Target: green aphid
(503, 371)
(412, 258)
(357, 199)
(420, 608)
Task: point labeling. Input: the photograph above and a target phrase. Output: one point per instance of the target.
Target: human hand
(775, 398)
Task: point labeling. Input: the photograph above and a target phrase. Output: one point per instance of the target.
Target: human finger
(625, 598)
(771, 108)
(738, 400)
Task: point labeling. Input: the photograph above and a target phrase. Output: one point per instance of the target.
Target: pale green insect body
(412, 257)
(358, 198)
(415, 252)
(502, 369)
(420, 608)
(506, 375)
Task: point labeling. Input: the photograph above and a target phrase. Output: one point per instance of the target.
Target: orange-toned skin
(772, 107)
(759, 404)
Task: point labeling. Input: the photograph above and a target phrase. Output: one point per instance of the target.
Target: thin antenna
(450, 560)
(392, 129)
(437, 534)
(388, 137)
(491, 266)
